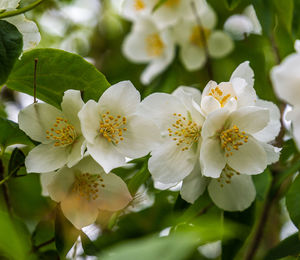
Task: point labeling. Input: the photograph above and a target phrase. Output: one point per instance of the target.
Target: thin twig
(34, 80)
(202, 35)
(36, 248)
(5, 190)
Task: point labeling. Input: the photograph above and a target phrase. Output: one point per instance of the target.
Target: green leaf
(262, 183)
(43, 232)
(11, 44)
(11, 134)
(293, 201)
(88, 246)
(287, 247)
(284, 11)
(57, 71)
(138, 179)
(158, 5)
(65, 234)
(175, 247)
(232, 4)
(16, 161)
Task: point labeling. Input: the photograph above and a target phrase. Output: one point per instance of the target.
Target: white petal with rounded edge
(235, 196)
(71, 105)
(250, 119)
(211, 84)
(219, 44)
(250, 12)
(89, 117)
(193, 185)
(270, 132)
(246, 95)
(36, 119)
(273, 153)
(209, 104)
(139, 138)
(121, 98)
(162, 186)
(105, 154)
(238, 26)
(245, 72)
(212, 159)
(297, 46)
(9, 4)
(46, 158)
(46, 179)
(295, 117)
(250, 158)
(76, 151)
(168, 164)
(29, 30)
(192, 57)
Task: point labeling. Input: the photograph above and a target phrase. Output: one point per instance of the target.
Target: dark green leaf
(57, 71)
(11, 44)
(262, 183)
(43, 232)
(232, 4)
(49, 255)
(138, 179)
(88, 245)
(11, 134)
(16, 161)
(293, 201)
(287, 247)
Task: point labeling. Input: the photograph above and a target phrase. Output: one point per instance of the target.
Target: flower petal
(168, 164)
(295, 117)
(71, 105)
(245, 72)
(9, 4)
(46, 179)
(235, 196)
(250, 119)
(273, 153)
(105, 154)
(211, 158)
(209, 104)
(121, 98)
(219, 44)
(246, 95)
(192, 57)
(193, 185)
(76, 152)
(46, 158)
(250, 158)
(36, 119)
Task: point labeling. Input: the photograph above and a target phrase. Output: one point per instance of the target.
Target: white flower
(232, 191)
(29, 30)
(236, 93)
(229, 139)
(85, 189)
(286, 78)
(240, 25)
(180, 125)
(113, 129)
(192, 38)
(58, 131)
(147, 44)
(134, 10)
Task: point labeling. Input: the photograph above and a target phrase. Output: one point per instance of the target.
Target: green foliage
(262, 183)
(11, 44)
(293, 201)
(57, 71)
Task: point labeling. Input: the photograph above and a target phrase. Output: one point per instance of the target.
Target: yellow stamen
(154, 45)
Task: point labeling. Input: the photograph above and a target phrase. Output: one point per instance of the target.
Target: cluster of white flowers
(155, 33)
(216, 139)
(29, 30)
(286, 82)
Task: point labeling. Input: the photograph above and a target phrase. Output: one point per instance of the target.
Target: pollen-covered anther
(62, 132)
(184, 132)
(226, 175)
(232, 139)
(171, 3)
(139, 5)
(219, 95)
(199, 35)
(87, 185)
(154, 45)
(112, 127)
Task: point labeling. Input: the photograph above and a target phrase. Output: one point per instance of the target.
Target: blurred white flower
(85, 189)
(193, 38)
(58, 131)
(286, 78)
(239, 25)
(180, 124)
(147, 44)
(113, 129)
(29, 30)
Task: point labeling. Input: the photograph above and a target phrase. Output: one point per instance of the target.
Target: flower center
(139, 5)
(184, 132)
(87, 185)
(171, 3)
(220, 96)
(197, 34)
(226, 175)
(112, 127)
(62, 132)
(155, 45)
(231, 139)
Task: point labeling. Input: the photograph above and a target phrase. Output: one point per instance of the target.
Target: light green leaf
(57, 71)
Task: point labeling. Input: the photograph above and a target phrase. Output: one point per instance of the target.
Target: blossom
(113, 129)
(229, 139)
(84, 189)
(58, 131)
(195, 35)
(239, 25)
(236, 93)
(285, 78)
(147, 44)
(29, 30)
(179, 122)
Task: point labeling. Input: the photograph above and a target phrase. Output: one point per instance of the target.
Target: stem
(275, 49)
(34, 80)
(43, 244)
(202, 35)
(21, 10)
(5, 189)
